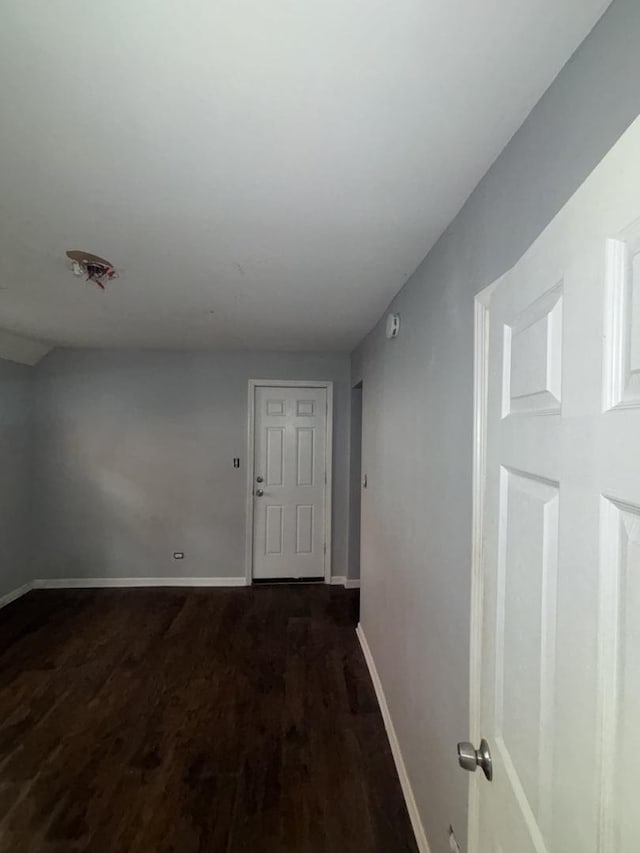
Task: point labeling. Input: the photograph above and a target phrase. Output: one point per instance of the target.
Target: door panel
(525, 636)
(560, 690)
(533, 357)
(275, 456)
(290, 447)
(622, 356)
(621, 535)
(304, 530)
(274, 530)
(305, 439)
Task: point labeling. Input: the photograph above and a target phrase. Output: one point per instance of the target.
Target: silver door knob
(259, 493)
(469, 758)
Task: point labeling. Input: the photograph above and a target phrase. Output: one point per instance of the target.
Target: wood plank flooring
(192, 720)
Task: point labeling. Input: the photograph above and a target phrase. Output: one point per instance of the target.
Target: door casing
(480, 387)
(288, 383)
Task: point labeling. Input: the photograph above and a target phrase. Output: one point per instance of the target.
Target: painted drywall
(135, 459)
(16, 470)
(417, 433)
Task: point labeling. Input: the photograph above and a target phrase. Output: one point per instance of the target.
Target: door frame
(480, 389)
(328, 486)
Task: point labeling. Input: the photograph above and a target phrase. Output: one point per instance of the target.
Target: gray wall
(134, 459)
(16, 470)
(418, 412)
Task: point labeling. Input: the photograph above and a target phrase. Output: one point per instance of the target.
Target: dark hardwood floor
(199, 720)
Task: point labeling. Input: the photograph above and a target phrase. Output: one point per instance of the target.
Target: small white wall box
(393, 326)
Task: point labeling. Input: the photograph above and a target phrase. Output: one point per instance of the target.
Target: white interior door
(559, 558)
(290, 482)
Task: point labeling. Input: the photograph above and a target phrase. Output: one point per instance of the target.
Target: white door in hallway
(556, 621)
(291, 481)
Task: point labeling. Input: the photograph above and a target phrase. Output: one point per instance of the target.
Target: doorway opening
(355, 484)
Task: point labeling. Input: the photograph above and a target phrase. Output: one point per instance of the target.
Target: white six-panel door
(558, 555)
(289, 482)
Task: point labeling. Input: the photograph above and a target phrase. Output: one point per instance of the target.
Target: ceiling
(262, 174)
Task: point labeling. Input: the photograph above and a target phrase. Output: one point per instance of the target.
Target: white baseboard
(104, 583)
(100, 583)
(348, 583)
(414, 816)
(15, 593)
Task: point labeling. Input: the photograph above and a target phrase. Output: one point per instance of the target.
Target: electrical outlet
(454, 847)
(178, 555)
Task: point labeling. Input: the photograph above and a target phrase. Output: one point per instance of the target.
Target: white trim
(480, 388)
(412, 808)
(99, 583)
(347, 583)
(248, 515)
(15, 593)
(328, 491)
